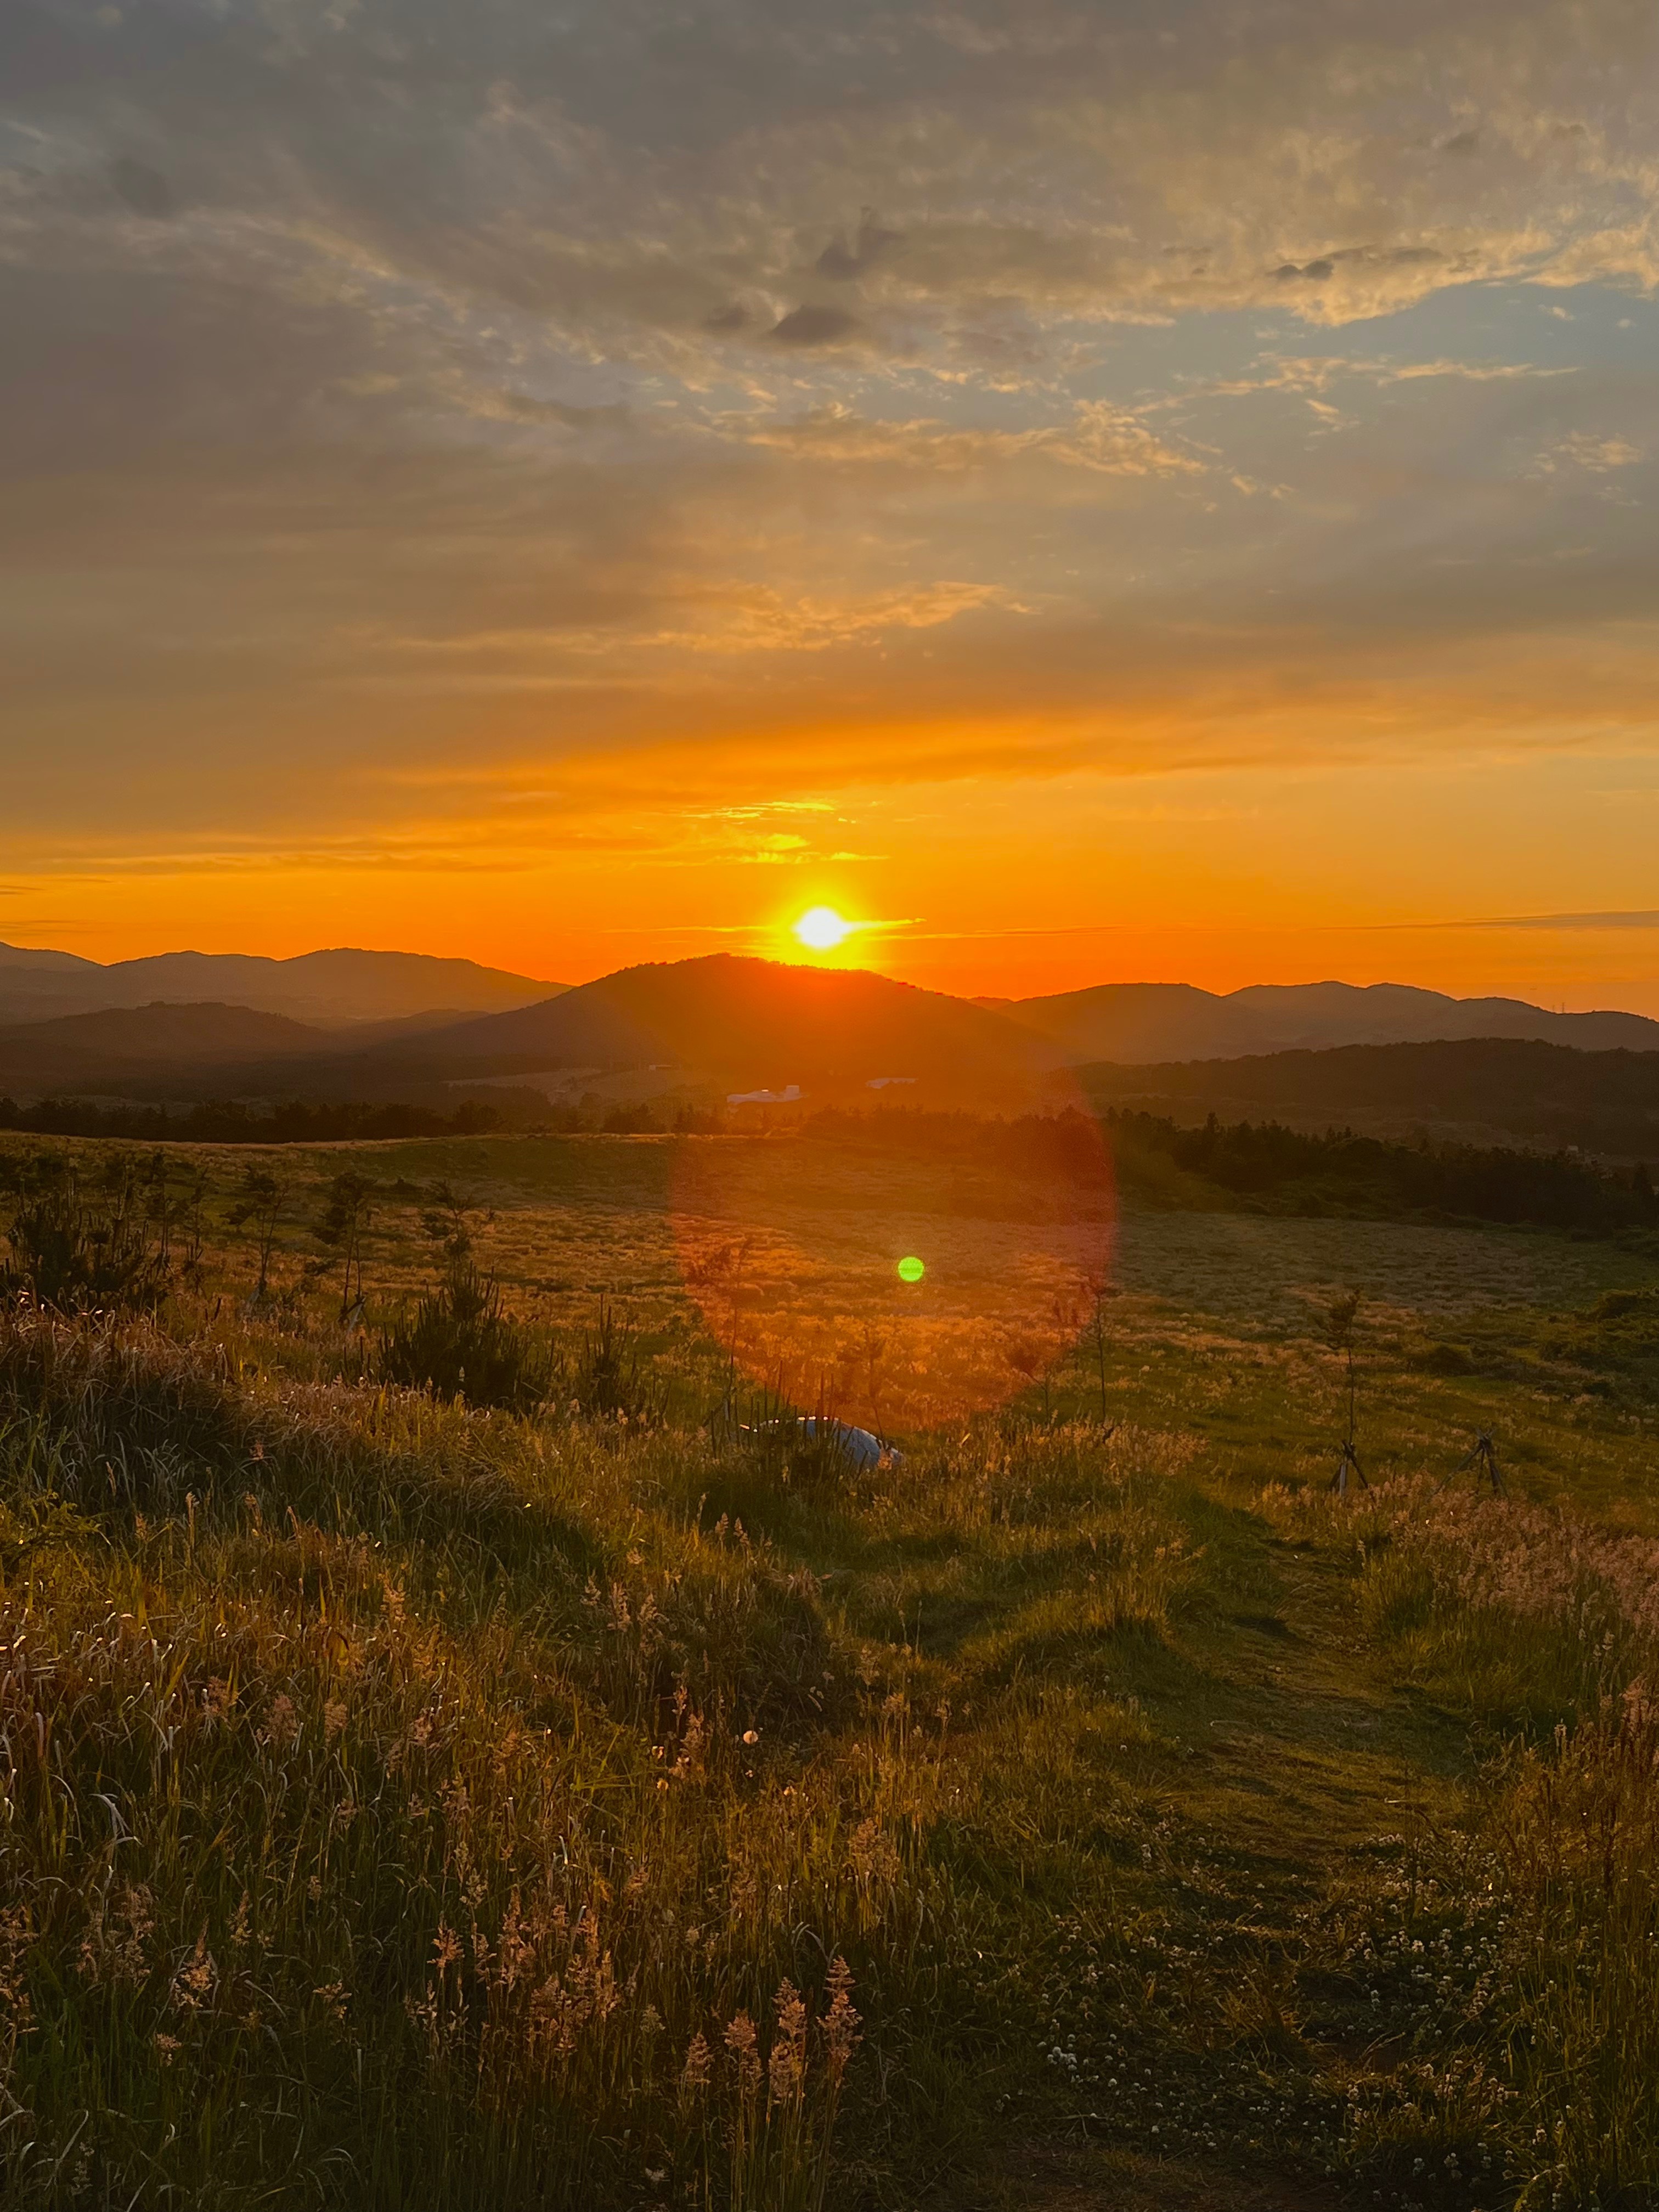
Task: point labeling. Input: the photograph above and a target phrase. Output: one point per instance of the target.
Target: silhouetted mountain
(1162, 1022)
(60, 964)
(1325, 1014)
(728, 1019)
(728, 1023)
(1545, 1093)
(1140, 1021)
(333, 988)
(111, 1051)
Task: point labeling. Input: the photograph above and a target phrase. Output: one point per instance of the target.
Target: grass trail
(1312, 1750)
(1285, 1741)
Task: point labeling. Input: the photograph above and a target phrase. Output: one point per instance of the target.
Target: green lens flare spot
(911, 1269)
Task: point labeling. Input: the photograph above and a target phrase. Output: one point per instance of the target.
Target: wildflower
(873, 1856)
(167, 2048)
(282, 1722)
(699, 2064)
(841, 2022)
(334, 1718)
(193, 1984)
(16, 1934)
(787, 2063)
(335, 1997)
(124, 1959)
(740, 2041)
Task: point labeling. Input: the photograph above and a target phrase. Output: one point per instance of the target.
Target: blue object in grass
(863, 1447)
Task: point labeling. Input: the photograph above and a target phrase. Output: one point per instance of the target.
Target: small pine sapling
(1339, 1318)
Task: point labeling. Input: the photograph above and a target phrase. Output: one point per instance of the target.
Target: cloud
(382, 393)
(1641, 919)
(1586, 450)
(843, 262)
(731, 618)
(1100, 437)
(1305, 374)
(144, 190)
(812, 325)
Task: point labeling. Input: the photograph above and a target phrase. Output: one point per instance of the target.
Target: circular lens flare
(802, 1247)
(821, 929)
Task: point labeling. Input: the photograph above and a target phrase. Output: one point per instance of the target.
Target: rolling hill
(725, 1024)
(165, 1050)
(728, 1019)
(1154, 1022)
(1475, 1088)
(332, 989)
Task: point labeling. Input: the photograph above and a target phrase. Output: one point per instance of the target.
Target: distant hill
(58, 964)
(1544, 1093)
(333, 988)
(1165, 1022)
(372, 1026)
(111, 1051)
(1140, 1022)
(732, 1020)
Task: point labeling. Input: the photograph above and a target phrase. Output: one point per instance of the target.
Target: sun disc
(821, 929)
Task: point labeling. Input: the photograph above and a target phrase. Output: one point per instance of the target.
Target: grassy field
(617, 1807)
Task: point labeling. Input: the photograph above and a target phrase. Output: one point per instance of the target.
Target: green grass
(405, 1804)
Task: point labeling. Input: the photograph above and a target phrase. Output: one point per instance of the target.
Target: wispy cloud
(1640, 918)
(1107, 440)
(1586, 450)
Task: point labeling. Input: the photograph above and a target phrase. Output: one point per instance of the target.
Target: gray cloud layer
(1056, 350)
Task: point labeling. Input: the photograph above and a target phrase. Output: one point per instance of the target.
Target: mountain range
(703, 1029)
(332, 989)
(1149, 1023)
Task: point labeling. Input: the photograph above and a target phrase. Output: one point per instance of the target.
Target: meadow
(618, 1802)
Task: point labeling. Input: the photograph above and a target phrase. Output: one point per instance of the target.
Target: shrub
(460, 1343)
(76, 1253)
(613, 1377)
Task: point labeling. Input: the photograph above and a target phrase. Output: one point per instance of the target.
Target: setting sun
(822, 929)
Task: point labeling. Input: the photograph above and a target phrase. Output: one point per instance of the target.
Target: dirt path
(1311, 1749)
(1295, 1753)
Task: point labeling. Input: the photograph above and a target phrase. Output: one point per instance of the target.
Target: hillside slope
(733, 1019)
(1544, 1093)
(1166, 1022)
(342, 985)
(111, 1050)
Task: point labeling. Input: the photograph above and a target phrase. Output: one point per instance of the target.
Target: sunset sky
(1096, 491)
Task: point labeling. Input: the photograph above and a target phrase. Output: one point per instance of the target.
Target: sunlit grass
(411, 1804)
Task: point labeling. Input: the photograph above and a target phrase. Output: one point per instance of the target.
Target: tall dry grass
(330, 1852)
(1529, 1955)
(406, 1804)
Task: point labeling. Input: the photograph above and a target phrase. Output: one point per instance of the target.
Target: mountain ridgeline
(666, 1040)
(332, 989)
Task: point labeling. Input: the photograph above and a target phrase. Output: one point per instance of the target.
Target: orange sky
(1096, 505)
